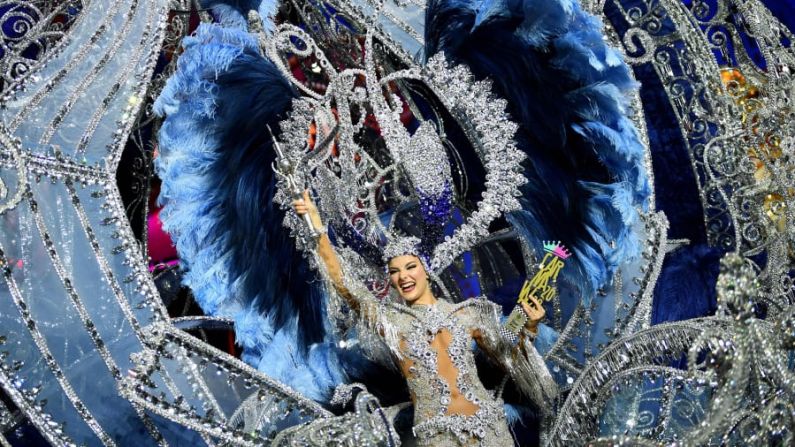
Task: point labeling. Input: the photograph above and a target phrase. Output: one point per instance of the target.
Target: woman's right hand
(306, 206)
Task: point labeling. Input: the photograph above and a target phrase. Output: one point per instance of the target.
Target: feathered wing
(218, 185)
(569, 92)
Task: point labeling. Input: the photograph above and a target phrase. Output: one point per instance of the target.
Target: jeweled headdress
(405, 245)
(401, 134)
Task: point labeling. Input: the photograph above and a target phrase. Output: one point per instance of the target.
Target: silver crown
(401, 245)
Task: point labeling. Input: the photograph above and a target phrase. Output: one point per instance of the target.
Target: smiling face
(408, 276)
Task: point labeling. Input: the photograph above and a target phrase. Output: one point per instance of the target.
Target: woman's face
(408, 276)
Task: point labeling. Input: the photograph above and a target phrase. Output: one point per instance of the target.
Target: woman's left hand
(535, 313)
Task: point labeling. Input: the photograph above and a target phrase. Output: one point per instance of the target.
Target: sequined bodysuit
(417, 337)
(433, 423)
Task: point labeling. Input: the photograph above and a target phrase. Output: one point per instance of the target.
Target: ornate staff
(286, 169)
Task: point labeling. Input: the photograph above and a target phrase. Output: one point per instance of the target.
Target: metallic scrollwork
(207, 378)
(727, 70)
(758, 353)
(720, 100)
(362, 180)
(29, 30)
(737, 386)
(628, 361)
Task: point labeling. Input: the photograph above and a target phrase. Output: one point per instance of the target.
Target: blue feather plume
(569, 93)
(218, 187)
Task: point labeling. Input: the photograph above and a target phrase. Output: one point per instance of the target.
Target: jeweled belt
(462, 427)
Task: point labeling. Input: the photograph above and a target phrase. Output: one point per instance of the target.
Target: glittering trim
(160, 336)
(633, 299)
(12, 146)
(132, 106)
(639, 316)
(366, 425)
(38, 165)
(472, 102)
(6, 418)
(74, 61)
(80, 90)
(34, 411)
(355, 9)
(49, 359)
(656, 345)
(77, 302)
(19, 82)
(127, 121)
(402, 245)
(346, 197)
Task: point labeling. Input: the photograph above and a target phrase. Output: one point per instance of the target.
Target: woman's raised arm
(324, 249)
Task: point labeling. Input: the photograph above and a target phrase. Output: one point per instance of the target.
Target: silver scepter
(285, 168)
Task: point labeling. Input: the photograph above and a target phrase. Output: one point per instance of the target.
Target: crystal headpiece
(402, 245)
(378, 174)
(406, 245)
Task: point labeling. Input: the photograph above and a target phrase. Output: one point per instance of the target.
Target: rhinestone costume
(409, 333)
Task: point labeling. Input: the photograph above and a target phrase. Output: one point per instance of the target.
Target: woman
(431, 342)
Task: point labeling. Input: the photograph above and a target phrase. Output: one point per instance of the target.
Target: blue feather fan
(215, 163)
(568, 91)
